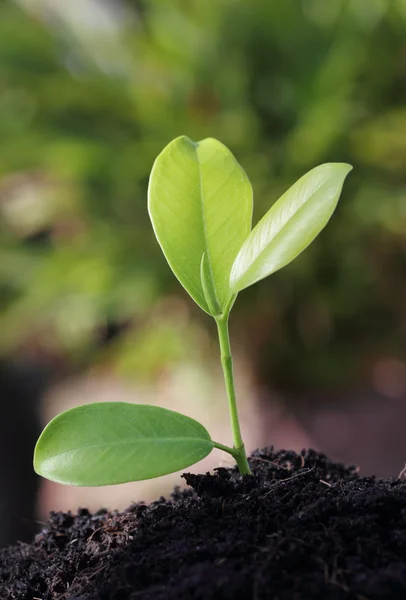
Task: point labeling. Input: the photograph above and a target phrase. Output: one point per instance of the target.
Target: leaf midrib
(135, 441)
(208, 250)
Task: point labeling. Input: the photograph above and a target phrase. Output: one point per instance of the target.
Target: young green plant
(200, 202)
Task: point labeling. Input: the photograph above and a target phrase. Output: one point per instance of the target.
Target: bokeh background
(90, 93)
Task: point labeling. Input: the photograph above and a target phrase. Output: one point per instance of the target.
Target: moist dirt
(301, 527)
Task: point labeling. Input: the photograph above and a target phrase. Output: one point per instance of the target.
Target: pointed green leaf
(116, 442)
(290, 225)
(200, 201)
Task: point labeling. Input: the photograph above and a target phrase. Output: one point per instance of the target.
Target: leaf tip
(183, 139)
(342, 167)
(346, 167)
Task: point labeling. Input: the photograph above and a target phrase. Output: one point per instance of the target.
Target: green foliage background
(286, 85)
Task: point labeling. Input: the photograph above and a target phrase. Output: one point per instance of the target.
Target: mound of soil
(300, 528)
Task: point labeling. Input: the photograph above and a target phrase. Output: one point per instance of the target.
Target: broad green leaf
(116, 442)
(290, 225)
(200, 202)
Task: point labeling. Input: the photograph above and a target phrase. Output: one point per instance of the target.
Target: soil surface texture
(300, 528)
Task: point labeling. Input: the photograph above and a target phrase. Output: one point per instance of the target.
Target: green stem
(227, 364)
(226, 449)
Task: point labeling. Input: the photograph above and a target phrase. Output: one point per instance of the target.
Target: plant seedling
(200, 202)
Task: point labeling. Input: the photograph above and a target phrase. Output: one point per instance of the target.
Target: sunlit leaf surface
(290, 225)
(200, 202)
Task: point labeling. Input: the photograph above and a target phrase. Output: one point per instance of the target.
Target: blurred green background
(91, 91)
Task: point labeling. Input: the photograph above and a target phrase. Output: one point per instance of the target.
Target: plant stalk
(227, 364)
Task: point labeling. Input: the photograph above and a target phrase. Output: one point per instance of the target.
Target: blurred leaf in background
(90, 93)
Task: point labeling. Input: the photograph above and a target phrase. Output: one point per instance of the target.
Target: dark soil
(301, 528)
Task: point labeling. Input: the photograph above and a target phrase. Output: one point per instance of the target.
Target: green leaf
(207, 286)
(200, 202)
(116, 442)
(290, 225)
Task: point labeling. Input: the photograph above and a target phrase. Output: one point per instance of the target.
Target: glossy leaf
(200, 202)
(116, 442)
(290, 225)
